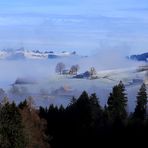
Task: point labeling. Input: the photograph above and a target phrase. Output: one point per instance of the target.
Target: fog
(50, 88)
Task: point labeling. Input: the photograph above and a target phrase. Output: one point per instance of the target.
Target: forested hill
(140, 57)
(83, 123)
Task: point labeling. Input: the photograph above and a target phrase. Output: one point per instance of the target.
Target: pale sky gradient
(81, 25)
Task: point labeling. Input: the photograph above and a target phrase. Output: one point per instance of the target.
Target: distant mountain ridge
(140, 57)
(18, 54)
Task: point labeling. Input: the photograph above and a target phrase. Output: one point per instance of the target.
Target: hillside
(140, 57)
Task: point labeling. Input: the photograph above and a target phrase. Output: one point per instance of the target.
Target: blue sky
(82, 25)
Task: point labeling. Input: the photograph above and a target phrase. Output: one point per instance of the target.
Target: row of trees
(21, 126)
(83, 123)
(60, 67)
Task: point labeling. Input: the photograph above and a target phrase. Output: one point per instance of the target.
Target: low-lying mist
(52, 88)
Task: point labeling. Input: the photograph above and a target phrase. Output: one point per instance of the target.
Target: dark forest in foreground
(83, 123)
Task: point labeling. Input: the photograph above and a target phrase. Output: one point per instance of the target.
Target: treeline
(21, 126)
(83, 123)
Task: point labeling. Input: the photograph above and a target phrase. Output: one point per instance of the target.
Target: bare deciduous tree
(93, 71)
(60, 67)
(34, 126)
(74, 69)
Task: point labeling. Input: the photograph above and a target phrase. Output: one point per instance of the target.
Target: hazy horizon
(84, 26)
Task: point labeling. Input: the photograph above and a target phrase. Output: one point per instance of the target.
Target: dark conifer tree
(11, 129)
(140, 110)
(23, 104)
(96, 111)
(117, 103)
(83, 108)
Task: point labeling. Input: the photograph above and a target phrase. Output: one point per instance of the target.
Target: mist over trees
(60, 67)
(83, 123)
(74, 69)
(93, 71)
